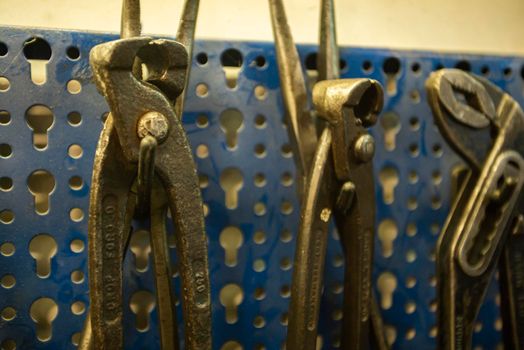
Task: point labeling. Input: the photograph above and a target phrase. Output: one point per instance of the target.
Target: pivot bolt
(154, 124)
(365, 148)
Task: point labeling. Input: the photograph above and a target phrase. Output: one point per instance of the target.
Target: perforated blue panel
(267, 209)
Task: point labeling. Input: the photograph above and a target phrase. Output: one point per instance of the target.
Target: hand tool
(143, 149)
(485, 126)
(334, 178)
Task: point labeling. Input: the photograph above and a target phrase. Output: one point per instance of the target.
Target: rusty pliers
(335, 178)
(143, 165)
(485, 126)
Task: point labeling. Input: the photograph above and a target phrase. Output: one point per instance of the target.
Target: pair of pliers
(484, 229)
(143, 157)
(335, 179)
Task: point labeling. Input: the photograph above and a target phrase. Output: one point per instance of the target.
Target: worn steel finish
(511, 283)
(336, 181)
(346, 103)
(143, 128)
(300, 125)
(488, 206)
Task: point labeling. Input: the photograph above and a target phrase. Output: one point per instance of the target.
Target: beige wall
(452, 25)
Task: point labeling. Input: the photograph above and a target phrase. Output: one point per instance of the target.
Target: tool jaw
(485, 126)
(465, 110)
(349, 105)
(133, 86)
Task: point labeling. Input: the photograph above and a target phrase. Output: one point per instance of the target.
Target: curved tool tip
(365, 96)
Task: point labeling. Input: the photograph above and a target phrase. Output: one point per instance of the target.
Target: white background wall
(451, 25)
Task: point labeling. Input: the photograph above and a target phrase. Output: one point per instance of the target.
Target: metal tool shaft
(186, 36)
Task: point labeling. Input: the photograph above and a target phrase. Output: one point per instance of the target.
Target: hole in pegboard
(260, 61)
(8, 313)
(5, 150)
(367, 67)
(140, 246)
(386, 284)
(231, 296)
(201, 58)
(7, 216)
(38, 52)
(74, 87)
(389, 179)
(3, 49)
(7, 249)
(231, 60)
(4, 84)
(415, 68)
(507, 72)
(259, 237)
(142, 303)
(259, 265)
(391, 68)
(231, 122)
(260, 92)
(43, 249)
(40, 119)
(6, 183)
(202, 90)
(77, 246)
(78, 308)
(231, 345)
(43, 312)
(76, 183)
(390, 122)
(73, 53)
(231, 240)
(463, 65)
(387, 233)
(41, 184)
(8, 281)
(76, 214)
(231, 181)
(5, 118)
(74, 118)
(75, 151)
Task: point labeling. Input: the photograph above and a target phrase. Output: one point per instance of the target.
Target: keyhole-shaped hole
(231, 240)
(142, 304)
(231, 296)
(43, 312)
(37, 52)
(231, 181)
(391, 68)
(43, 248)
(231, 123)
(390, 122)
(140, 246)
(41, 184)
(231, 60)
(387, 283)
(39, 118)
(388, 178)
(387, 233)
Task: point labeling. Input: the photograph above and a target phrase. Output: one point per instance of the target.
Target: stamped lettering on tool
(315, 281)
(110, 222)
(366, 281)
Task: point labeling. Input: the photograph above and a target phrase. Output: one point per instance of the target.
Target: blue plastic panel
(267, 210)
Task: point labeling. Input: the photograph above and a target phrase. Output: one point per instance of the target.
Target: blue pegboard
(267, 211)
